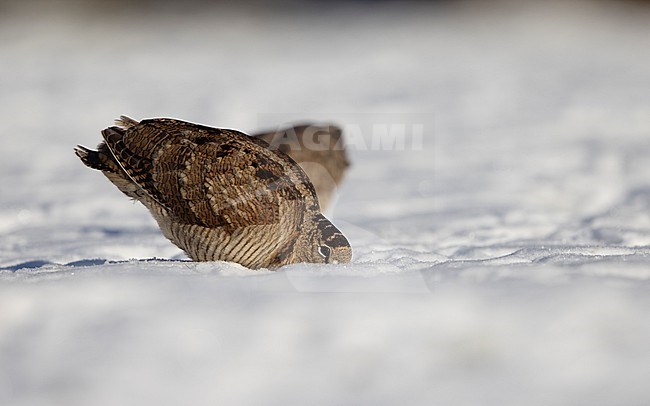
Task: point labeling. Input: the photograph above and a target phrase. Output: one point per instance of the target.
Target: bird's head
(328, 244)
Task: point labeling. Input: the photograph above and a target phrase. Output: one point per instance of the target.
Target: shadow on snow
(38, 263)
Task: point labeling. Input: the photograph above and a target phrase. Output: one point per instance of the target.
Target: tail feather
(95, 159)
(89, 157)
(126, 122)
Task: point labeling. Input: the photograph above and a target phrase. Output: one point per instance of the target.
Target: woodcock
(218, 194)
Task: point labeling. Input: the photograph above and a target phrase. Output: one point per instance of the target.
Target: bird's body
(218, 194)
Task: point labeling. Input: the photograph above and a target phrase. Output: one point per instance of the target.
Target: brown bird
(320, 152)
(219, 194)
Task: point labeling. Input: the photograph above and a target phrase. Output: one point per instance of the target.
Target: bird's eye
(324, 251)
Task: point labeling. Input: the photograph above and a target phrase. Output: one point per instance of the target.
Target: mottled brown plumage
(218, 194)
(320, 152)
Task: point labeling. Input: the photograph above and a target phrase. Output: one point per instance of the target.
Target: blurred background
(508, 237)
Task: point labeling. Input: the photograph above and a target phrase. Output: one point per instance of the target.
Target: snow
(501, 256)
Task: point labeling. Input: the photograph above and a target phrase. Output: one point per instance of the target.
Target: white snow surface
(501, 257)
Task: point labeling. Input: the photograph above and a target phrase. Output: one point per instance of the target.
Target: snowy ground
(503, 260)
